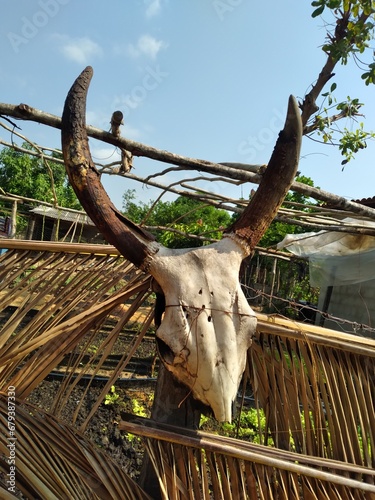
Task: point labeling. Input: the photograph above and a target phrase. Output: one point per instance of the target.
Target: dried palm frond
(55, 461)
(57, 306)
(317, 388)
(198, 465)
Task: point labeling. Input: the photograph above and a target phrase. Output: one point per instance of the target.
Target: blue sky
(207, 79)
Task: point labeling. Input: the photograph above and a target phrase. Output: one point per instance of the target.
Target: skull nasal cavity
(200, 291)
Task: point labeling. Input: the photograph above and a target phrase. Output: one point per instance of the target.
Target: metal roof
(63, 214)
(368, 202)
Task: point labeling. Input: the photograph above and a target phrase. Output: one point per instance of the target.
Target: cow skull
(208, 325)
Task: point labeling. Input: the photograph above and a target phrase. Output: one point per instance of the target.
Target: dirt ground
(103, 430)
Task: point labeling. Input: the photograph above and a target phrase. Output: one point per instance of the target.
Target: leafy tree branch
(350, 35)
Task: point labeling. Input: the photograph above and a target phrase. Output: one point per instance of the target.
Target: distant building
(5, 230)
(5, 227)
(61, 224)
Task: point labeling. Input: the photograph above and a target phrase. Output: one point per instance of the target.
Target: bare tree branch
(235, 171)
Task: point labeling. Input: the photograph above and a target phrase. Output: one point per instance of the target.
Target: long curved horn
(133, 242)
(275, 183)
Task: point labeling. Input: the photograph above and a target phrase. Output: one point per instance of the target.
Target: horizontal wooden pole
(284, 327)
(57, 246)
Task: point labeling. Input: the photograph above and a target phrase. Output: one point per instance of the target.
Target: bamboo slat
(57, 246)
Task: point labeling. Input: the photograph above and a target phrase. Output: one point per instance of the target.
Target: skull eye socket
(185, 311)
(209, 319)
(165, 352)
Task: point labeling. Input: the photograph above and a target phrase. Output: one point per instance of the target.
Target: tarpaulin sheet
(335, 258)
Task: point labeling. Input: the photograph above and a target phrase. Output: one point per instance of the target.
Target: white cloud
(153, 8)
(148, 46)
(102, 120)
(79, 50)
(105, 155)
(120, 49)
(98, 119)
(131, 132)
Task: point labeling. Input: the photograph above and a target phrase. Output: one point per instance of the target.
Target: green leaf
(317, 12)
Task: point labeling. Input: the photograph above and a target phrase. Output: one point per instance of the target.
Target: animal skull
(208, 325)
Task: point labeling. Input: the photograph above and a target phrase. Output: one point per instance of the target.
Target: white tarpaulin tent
(335, 258)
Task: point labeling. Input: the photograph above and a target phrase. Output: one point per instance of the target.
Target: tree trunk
(173, 404)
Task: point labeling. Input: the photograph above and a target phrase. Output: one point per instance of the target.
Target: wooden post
(173, 404)
(30, 228)
(273, 274)
(13, 227)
